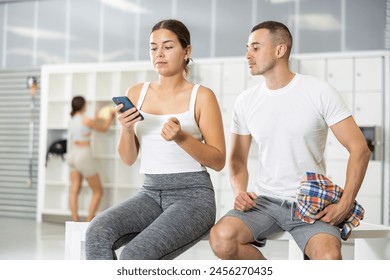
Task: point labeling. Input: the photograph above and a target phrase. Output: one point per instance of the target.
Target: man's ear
(281, 50)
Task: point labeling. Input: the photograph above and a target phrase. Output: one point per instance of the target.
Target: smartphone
(127, 104)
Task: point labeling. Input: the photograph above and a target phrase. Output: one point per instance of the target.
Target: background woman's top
(78, 130)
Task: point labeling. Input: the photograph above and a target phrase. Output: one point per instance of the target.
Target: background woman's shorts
(80, 159)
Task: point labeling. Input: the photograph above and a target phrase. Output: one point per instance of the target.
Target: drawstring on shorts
(290, 204)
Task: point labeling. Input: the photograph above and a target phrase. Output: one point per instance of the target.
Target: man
(288, 116)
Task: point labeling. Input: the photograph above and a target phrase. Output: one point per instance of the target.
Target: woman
(181, 135)
(81, 163)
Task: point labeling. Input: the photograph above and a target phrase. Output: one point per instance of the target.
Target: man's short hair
(279, 32)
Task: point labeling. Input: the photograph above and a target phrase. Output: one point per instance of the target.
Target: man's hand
(333, 214)
(245, 201)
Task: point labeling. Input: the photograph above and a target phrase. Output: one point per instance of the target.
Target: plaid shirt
(315, 193)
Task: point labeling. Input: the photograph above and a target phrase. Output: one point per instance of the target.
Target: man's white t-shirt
(290, 127)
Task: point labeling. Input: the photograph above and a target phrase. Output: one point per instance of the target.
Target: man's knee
(325, 254)
(324, 247)
(221, 233)
(224, 238)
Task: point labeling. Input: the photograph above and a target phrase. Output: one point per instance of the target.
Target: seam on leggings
(197, 239)
(115, 247)
(160, 195)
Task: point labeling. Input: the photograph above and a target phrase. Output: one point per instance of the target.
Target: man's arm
(238, 168)
(350, 136)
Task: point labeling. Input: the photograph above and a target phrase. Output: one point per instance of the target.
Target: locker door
(340, 73)
(369, 74)
(313, 67)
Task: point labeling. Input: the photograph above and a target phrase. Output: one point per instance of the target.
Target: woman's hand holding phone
(127, 113)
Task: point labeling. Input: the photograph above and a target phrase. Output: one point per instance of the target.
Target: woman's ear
(187, 53)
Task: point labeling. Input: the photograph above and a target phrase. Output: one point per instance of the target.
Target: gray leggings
(170, 213)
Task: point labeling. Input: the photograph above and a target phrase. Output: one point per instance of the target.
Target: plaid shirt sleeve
(315, 193)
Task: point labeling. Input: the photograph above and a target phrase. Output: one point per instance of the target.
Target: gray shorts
(271, 215)
(81, 159)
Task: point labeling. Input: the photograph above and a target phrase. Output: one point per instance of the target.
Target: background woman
(81, 163)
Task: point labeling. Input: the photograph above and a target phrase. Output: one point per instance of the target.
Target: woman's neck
(172, 84)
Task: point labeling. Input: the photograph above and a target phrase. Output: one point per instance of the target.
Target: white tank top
(159, 156)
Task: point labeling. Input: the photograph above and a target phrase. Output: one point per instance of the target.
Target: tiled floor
(24, 239)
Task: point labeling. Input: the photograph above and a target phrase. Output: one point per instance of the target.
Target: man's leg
(231, 238)
(323, 246)
(319, 241)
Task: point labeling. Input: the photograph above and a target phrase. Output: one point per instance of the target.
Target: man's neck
(280, 79)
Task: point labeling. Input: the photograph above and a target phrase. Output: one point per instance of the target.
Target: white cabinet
(368, 108)
(369, 88)
(233, 77)
(208, 74)
(312, 66)
(334, 150)
(98, 83)
(369, 73)
(359, 81)
(340, 73)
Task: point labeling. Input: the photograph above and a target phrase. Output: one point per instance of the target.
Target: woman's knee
(98, 229)
(99, 240)
(93, 230)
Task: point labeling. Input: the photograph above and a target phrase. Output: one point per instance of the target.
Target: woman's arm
(128, 146)
(100, 124)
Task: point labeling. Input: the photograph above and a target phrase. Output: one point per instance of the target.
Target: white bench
(371, 242)
(74, 239)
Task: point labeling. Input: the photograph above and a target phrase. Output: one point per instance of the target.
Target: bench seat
(371, 241)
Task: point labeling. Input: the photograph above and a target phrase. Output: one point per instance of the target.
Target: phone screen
(127, 104)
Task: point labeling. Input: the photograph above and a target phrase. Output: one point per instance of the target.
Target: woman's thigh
(119, 224)
(183, 223)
